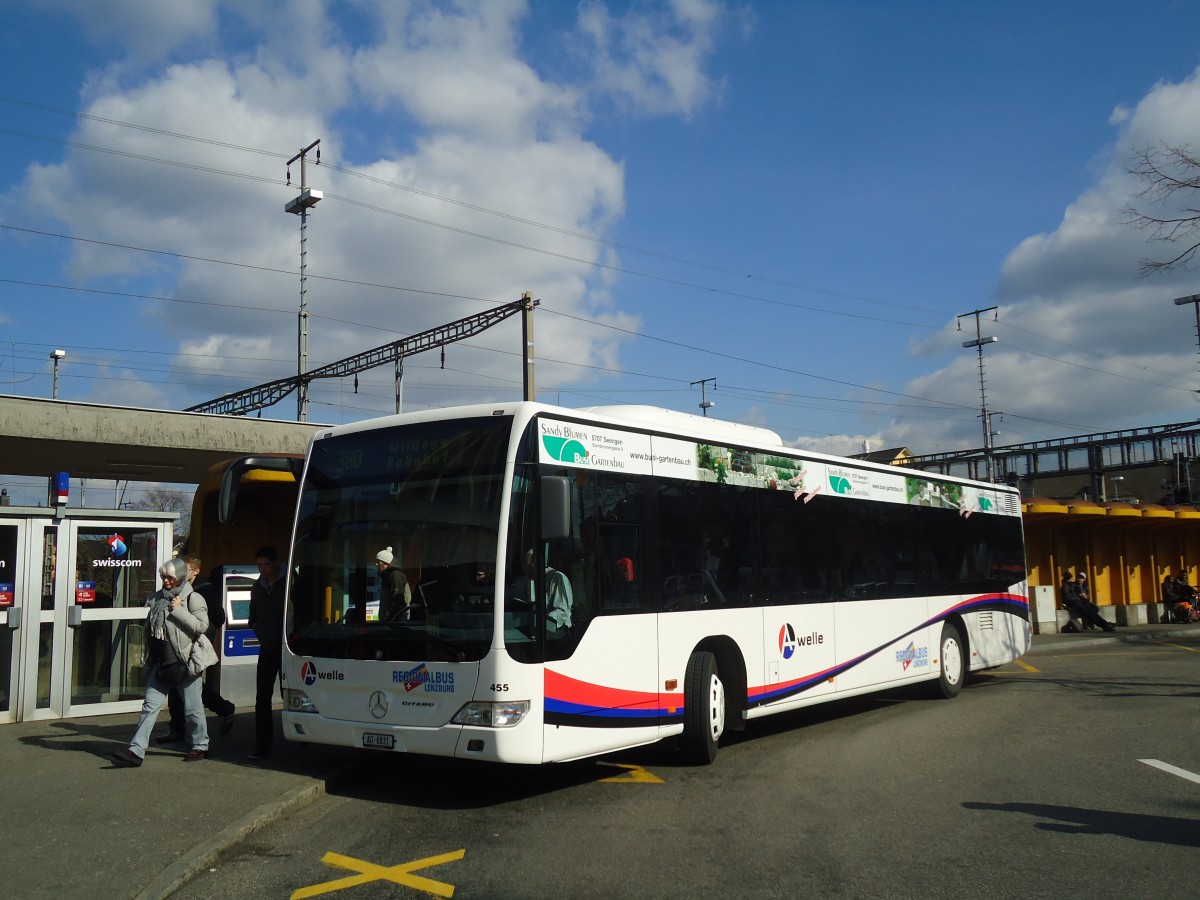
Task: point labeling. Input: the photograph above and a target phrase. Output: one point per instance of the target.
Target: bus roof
(650, 418)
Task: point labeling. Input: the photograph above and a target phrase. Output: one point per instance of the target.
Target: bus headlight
(492, 714)
(297, 701)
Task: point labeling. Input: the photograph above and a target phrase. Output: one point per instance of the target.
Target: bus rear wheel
(703, 709)
(953, 662)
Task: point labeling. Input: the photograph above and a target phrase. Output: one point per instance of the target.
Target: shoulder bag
(202, 656)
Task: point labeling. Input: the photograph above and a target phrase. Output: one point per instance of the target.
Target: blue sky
(796, 199)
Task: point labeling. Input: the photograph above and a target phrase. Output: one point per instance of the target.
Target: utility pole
(1193, 299)
(705, 403)
(992, 433)
(399, 384)
(530, 390)
(978, 343)
(301, 204)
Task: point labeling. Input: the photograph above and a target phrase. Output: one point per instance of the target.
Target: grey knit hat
(174, 568)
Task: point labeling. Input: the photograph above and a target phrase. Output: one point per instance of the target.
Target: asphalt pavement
(77, 824)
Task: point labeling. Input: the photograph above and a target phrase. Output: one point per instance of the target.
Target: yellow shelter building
(1125, 549)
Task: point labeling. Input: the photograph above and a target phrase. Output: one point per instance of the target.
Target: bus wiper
(431, 638)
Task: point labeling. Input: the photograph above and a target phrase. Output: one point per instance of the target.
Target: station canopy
(90, 440)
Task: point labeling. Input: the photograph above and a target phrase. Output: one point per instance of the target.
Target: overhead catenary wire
(524, 220)
(581, 235)
(352, 172)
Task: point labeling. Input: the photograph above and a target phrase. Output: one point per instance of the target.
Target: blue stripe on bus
(1008, 603)
(563, 712)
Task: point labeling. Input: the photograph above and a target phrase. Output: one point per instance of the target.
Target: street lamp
(1193, 299)
(1116, 488)
(56, 355)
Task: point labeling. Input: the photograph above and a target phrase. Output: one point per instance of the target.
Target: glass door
(11, 546)
(112, 570)
(40, 631)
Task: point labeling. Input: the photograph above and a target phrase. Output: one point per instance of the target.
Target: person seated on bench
(1065, 592)
(1076, 599)
(1183, 601)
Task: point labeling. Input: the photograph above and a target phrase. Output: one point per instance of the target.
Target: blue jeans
(156, 696)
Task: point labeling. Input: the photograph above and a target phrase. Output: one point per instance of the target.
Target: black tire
(703, 709)
(953, 662)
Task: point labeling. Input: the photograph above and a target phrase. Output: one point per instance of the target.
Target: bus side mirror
(556, 507)
(232, 478)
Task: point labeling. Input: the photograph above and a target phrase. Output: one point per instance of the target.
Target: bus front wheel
(703, 709)
(953, 662)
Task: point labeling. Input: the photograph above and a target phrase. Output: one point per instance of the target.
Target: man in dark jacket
(216, 619)
(266, 619)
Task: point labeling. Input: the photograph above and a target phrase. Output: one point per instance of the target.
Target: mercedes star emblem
(378, 704)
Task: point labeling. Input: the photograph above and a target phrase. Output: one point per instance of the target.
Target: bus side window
(617, 526)
(619, 557)
(795, 545)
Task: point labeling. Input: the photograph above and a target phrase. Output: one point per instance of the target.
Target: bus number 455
(499, 688)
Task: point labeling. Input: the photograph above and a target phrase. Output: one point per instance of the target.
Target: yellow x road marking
(368, 872)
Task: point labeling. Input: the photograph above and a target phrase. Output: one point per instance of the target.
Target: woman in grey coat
(177, 617)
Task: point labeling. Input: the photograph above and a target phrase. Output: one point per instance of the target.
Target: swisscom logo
(118, 548)
(309, 674)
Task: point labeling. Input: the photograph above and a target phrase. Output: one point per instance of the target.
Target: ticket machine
(241, 646)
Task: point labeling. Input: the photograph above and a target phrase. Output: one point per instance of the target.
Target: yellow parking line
(1177, 646)
(1026, 666)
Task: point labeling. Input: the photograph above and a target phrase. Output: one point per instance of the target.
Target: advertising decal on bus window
(631, 453)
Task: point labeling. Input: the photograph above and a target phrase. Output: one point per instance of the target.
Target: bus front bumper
(521, 744)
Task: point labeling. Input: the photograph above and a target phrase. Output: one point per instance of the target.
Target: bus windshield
(395, 539)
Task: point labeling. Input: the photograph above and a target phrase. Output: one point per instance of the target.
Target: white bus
(584, 581)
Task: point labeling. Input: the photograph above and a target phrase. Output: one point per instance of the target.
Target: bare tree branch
(1170, 174)
(163, 499)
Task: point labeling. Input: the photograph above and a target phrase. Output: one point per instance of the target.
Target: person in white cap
(395, 596)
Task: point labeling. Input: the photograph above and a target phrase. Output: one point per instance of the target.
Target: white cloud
(124, 387)
(654, 61)
(459, 70)
(147, 28)
(1082, 334)
(454, 113)
(839, 444)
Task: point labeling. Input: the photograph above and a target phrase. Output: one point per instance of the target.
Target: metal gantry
(1088, 454)
(240, 403)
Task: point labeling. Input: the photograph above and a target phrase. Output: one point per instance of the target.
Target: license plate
(380, 741)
